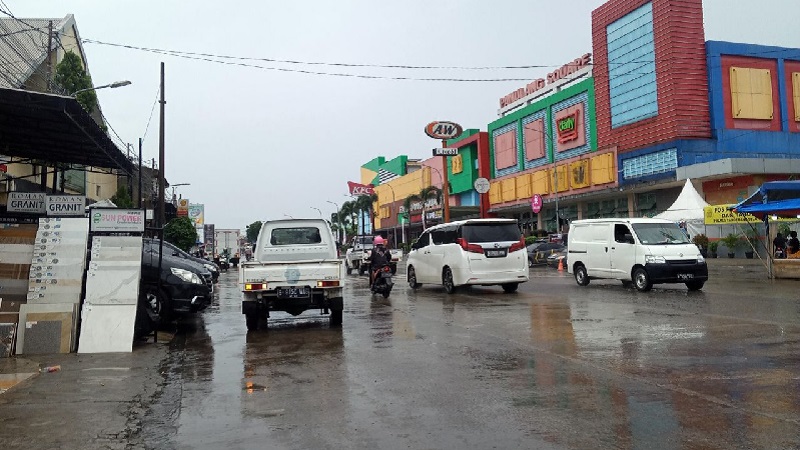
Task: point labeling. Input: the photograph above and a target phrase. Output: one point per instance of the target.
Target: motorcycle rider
(378, 258)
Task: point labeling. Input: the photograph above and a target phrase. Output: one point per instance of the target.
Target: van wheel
(509, 288)
(627, 283)
(412, 278)
(642, 280)
(695, 285)
(581, 277)
(156, 304)
(447, 281)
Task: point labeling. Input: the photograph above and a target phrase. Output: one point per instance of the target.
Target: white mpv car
(469, 252)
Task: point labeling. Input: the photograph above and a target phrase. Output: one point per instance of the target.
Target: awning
(54, 129)
(778, 198)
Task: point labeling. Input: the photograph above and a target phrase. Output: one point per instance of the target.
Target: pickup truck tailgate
(291, 273)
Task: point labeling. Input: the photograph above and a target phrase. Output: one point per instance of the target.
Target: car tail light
(472, 248)
(328, 283)
(517, 245)
(255, 286)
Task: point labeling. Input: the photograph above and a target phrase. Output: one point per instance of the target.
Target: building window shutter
(751, 93)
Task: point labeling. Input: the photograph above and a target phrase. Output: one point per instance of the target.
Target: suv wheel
(156, 304)
(447, 281)
(412, 278)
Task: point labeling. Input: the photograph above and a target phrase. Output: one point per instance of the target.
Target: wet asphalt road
(552, 366)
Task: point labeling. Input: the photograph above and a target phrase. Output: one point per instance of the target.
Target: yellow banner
(721, 215)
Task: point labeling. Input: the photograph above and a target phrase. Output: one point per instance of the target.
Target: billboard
(183, 207)
(196, 213)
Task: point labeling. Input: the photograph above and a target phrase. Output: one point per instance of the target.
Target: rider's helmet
(379, 241)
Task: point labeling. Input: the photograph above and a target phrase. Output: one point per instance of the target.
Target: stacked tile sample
(112, 293)
(16, 251)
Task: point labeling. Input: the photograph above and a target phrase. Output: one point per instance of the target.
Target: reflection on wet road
(553, 366)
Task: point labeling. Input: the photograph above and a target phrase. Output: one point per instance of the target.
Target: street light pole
(338, 222)
(175, 200)
(318, 210)
(113, 85)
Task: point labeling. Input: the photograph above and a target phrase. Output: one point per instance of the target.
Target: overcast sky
(259, 144)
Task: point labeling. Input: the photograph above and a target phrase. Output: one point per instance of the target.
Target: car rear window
(490, 232)
(295, 236)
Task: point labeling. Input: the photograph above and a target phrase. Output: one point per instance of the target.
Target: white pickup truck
(295, 268)
(359, 251)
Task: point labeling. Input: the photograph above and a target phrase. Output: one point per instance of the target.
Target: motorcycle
(382, 283)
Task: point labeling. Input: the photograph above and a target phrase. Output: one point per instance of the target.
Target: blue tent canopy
(774, 198)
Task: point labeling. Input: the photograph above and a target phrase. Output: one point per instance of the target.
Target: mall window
(632, 67)
(751, 93)
(505, 150)
(658, 162)
(621, 210)
(796, 95)
(646, 204)
(534, 136)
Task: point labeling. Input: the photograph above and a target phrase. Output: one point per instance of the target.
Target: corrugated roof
(23, 47)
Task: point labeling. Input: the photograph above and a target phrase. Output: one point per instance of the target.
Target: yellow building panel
(796, 95)
(367, 176)
(524, 189)
(540, 182)
(508, 187)
(495, 193)
(457, 164)
(751, 93)
(603, 171)
(559, 178)
(579, 174)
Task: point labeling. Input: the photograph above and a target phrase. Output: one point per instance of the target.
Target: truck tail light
(255, 286)
(472, 248)
(517, 245)
(328, 283)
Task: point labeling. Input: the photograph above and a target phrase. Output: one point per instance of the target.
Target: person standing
(779, 245)
(793, 246)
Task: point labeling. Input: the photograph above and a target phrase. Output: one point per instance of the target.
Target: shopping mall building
(617, 131)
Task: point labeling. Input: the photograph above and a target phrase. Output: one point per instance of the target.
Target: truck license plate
(499, 253)
(294, 292)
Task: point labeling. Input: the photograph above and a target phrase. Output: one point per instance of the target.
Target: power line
(152, 108)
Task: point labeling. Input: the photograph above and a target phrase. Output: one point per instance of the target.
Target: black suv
(208, 265)
(186, 287)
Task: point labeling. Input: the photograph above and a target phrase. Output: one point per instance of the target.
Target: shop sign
(26, 202)
(360, 189)
(116, 220)
(535, 85)
(433, 215)
(183, 207)
(443, 130)
(65, 205)
(721, 215)
(3, 168)
(567, 128)
(196, 213)
(536, 203)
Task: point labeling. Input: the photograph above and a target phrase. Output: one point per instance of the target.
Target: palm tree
(346, 212)
(364, 204)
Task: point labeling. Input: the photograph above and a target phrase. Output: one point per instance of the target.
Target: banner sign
(360, 189)
(65, 205)
(117, 220)
(183, 207)
(26, 202)
(721, 215)
(196, 213)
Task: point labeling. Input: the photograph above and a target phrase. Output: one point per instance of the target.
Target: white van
(638, 251)
(469, 252)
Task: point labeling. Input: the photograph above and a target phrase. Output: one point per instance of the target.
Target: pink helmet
(378, 241)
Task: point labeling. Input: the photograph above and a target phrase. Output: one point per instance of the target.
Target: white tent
(107, 203)
(688, 207)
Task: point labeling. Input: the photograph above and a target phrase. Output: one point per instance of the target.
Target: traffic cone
(561, 264)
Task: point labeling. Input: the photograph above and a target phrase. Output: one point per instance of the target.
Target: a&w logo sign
(443, 130)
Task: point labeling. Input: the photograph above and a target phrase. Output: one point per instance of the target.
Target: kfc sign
(360, 189)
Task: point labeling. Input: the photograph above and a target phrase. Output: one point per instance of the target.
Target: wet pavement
(552, 366)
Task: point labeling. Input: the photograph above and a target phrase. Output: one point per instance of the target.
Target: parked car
(185, 285)
(208, 265)
(558, 257)
(469, 252)
(538, 252)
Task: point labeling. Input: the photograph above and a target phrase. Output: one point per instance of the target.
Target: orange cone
(561, 264)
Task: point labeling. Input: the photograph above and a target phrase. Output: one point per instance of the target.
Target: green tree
(71, 76)
(252, 231)
(181, 232)
(122, 198)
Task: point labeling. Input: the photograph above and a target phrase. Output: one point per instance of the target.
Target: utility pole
(49, 58)
(139, 203)
(161, 172)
